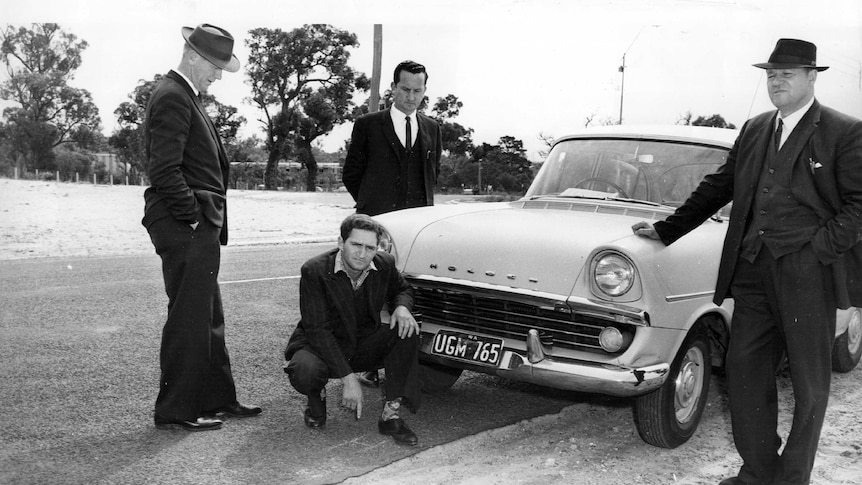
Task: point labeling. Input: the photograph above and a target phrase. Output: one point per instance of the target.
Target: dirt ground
(598, 445)
(586, 443)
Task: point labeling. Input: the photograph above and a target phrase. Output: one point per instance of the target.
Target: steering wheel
(608, 183)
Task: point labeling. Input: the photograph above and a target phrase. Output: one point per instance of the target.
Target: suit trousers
(399, 357)
(195, 367)
(783, 307)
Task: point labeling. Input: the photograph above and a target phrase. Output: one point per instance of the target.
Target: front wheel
(668, 416)
(847, 349)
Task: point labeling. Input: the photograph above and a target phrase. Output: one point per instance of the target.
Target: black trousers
(195, 367)
(400, 357)
(782, 307)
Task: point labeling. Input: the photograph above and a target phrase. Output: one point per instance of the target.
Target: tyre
(436, 378)
(847, 348)
(668, 416)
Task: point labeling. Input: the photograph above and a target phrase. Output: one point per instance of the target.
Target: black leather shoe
(314, 422)
(315, 413)
(200, 424)
(731, 481)
(235, 410)
(398, 430)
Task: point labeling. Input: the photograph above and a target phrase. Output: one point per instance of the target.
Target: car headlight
(613, 275)
(386, 244)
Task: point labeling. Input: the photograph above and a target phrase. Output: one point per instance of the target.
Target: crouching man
(341, 295)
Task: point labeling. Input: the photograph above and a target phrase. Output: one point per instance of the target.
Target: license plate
(471, 348)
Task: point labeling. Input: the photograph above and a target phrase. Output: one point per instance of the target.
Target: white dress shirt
(790, 121)
(400, 124)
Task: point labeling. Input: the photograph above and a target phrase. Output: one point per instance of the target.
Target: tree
(71, 162)
(685, 119)
(548, 141)
(302, 84)
(457, 140)
(591, 120)
(246, 150)
(504, 166)
(225, 119)
(716, 121)
(40, 63)
(128, 140)
(456, 168)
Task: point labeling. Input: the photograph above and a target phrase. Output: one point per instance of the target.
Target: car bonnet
(536, 249)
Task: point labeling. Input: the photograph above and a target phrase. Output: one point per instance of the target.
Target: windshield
(662, 172)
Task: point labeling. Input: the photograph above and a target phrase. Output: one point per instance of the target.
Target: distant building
(111, 163)
(322, 168)
(328, 175)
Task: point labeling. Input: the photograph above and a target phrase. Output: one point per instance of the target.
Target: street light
(623, 68)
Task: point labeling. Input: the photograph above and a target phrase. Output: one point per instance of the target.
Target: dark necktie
(409, 143)
(777, 140)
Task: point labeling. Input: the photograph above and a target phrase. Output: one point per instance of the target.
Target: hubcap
(854, 332)
(689, 384)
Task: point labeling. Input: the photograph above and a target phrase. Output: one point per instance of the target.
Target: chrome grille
(501, 316)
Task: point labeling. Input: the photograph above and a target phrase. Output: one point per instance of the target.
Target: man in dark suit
(790, 258)
(394, 155)
(186, 216)
(341, 295)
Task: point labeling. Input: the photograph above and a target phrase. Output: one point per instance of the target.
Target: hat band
(786, 59)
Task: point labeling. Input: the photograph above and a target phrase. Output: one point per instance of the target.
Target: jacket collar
(803, 131)
(187, 81)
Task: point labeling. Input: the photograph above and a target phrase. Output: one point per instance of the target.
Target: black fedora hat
(792, 53)
(214, 44)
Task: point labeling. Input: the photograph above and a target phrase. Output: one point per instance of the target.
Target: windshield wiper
(637, 201)
(606, 197)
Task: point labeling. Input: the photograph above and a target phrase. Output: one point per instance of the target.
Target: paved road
(78, 362)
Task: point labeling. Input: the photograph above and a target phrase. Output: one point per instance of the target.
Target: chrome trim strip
(688, 296)
(531, 294)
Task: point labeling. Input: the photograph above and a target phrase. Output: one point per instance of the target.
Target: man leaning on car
(790, 258)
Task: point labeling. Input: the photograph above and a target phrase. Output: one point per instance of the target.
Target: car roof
(679, 133)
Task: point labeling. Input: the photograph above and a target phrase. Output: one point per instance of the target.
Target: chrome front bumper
(536, 367)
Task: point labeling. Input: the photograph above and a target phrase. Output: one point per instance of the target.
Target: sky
(522, 68)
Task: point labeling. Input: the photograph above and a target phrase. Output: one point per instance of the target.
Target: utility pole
(374, 100)
(623, 84)
(623, 69)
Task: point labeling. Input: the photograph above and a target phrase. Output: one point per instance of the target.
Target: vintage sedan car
(554, 288)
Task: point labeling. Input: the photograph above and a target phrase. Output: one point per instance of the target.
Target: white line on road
(259, 279)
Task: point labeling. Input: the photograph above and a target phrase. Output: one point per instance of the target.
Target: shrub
(70, 162)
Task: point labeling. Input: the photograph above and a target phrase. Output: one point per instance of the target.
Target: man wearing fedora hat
(186, 216)
(790, 258)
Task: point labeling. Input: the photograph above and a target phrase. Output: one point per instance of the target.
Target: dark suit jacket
(826, 149)
(187, 164)
(373, 168)
(328, 319)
